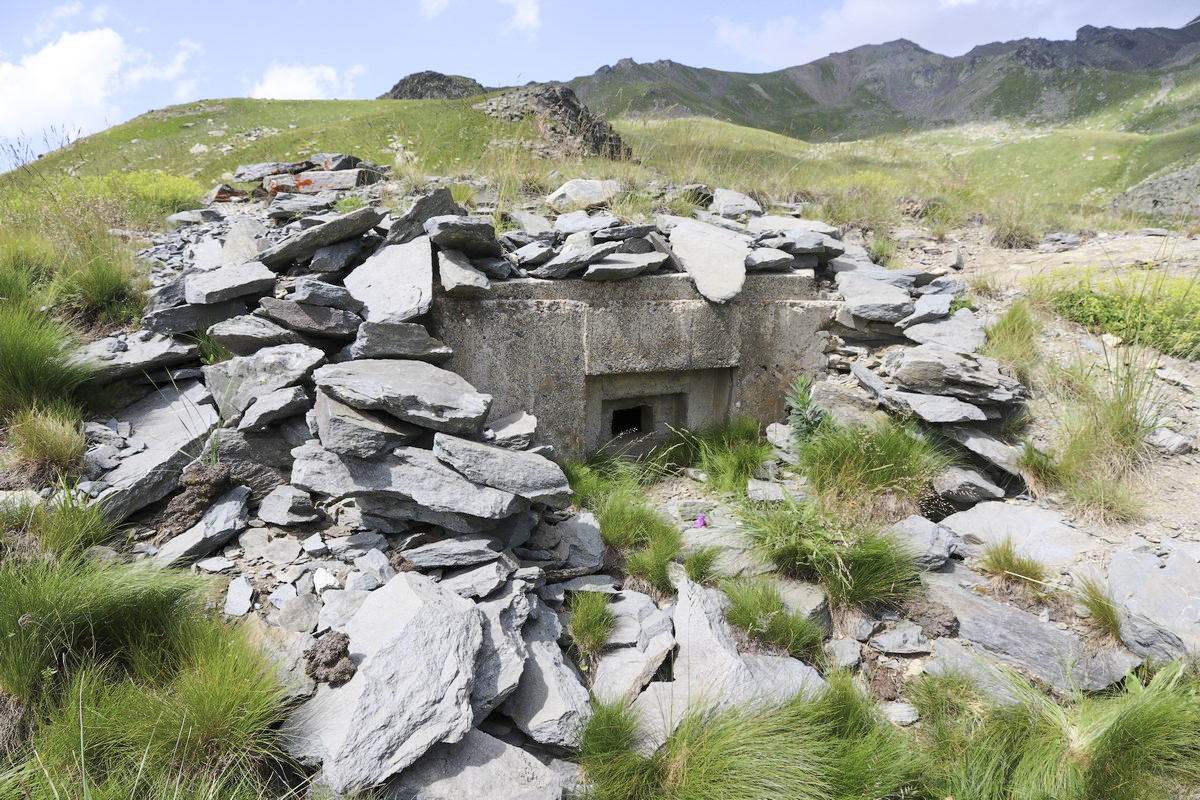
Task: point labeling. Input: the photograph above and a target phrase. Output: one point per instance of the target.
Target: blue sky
(80, 66)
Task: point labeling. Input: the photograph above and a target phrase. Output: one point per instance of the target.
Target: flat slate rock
(238, 382)
(873, 300)
(621, 266)
(302, 245)
(961, 331)
(318, 321)
(397, 340)
(1160, 601)
(1036, 533)
(1054, 657)
(715, 258)
(396, 283)
(927, 308)
(582, 193)
(1000, 455)
(137, 354)
(412, 391)
(935, 408)
(931, 543)
(349, 431)
(730, 204)
(457, 551)
(780, 224)
(247, 334)
(174, 422)
(518, 472)
(963, 485)
(415, 647)
(576, 221)
(228, 282)
(934, 368)
(474, 236)
(459, 277)
(411, 224)
(475, 767)
(223, 520)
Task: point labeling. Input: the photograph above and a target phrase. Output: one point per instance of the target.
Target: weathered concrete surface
(579, 334)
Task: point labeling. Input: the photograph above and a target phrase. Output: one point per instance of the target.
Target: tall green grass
(37, 365)
(589, 623)
(729, 455)
(855, 565)
(756, 606)
(1012, 339)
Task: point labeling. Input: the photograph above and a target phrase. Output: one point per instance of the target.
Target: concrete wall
(556, 348)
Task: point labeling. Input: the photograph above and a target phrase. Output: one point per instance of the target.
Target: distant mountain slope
(1123, 78)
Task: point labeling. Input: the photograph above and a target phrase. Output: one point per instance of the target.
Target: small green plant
(463, 194)
(211, 351)
(1011, 569)
(883, 247)
(729, 454)
(853, 463)
(804, 417)
(589, 623)
(756, 606)
(1016, 223)
(1103, 613)
(1038, 466)
(700, 564)
(1012, 339)
(855, 565)
(350, 202)
(47, 440)
(965, 300)
(37, 365)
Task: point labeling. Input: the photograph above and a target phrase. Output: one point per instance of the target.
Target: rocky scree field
(258, 543)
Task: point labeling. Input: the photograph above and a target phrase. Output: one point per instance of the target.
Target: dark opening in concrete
(632, 420)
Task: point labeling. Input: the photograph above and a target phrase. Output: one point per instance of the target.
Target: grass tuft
(756, 606)
(1011, 569)
(36, 363)
(589, 623)
(64, 527)
(1103, 613)
(1012, 340)
(700, 564)
(47, 440)
(729, 455)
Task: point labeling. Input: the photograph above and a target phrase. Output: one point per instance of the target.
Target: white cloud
(526, 16)
(100, 13)
(431, 8)
(145, 69)
(49, 23)
(944, 26)
(69, 84)
(306, 82)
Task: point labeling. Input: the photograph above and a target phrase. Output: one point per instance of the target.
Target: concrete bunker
(630, 361)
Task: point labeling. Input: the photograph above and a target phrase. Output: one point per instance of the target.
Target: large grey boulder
(584, 543)
(582, 193)
(514, 431)
(937, 369)
(397, 340)
(478, 766)
(1055, 657)
(396, 283)
(714, 257)
(1160, 603)
(415, 646)
(411, 224)
(473, 236)
(174, 422)
(961, 331)
(238, 382)
(137, 354)
(873, 299)
(1036, 533)
(228, 282)
(550, 704)
(412, 391)
(518, 472)
(641, 639)
(501, 659)
(248, 334)
(930, 543)
(347, 431)
(730, 204)
(221, 522)
(302, 245)
(419, 486)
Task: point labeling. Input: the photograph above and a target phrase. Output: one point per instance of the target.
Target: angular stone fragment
(931, 544)
(319, 293)
(320, 321)
(137, 354)
(223, 520)
(778, 224)
(573, 258)
(396, 283)
(174, 422)
(458, 551)
(715, 258)
(474, 236)
(768, 259)
(248, 173)
(873, 300)
(988, 447)
(397, 340)
(411, 225)
(518, 472)
(285, 207)
(515, 431)
(274, 406)
(905, 638)
(582, 193)
(533, 254)
(238, 382)
(640, 641)
(576, 221)
(1159, 603)
(937, 369)
(621, 266)
(962, 331)
(409, 475)
(962, 485)
(228, 282)
(927, 308)
(730, 204)
(550, 704)
(248, 334)
(412, 391)
(478, 766)
(934, 408)
(415, 646)
(317, 181)
(347, 431)
(302, 245)
(191, 317)
(239, 599)
(458, 277)
(287, 505)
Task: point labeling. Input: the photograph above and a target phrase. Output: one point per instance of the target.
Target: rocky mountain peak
(430, 85)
